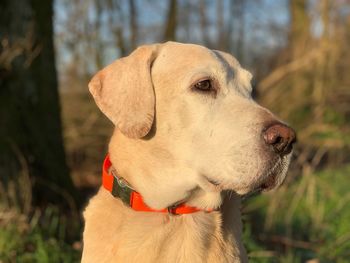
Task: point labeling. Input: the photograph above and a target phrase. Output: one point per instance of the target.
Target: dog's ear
(124, 92)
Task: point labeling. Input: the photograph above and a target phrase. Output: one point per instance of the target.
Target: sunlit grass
(306, 220)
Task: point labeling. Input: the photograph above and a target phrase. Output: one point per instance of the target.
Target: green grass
(42, 239)
(309, 219)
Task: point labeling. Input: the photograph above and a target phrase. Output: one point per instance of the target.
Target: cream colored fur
(197, 146)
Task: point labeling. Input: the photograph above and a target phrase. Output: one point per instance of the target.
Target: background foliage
(298, 51)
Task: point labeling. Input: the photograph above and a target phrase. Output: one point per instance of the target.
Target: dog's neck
(143, 166)
(148, 169)
(215, 236)
(142, 237)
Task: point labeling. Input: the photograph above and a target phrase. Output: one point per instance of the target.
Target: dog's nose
(280, 137)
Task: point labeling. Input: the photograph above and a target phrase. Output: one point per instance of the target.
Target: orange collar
(119, 188)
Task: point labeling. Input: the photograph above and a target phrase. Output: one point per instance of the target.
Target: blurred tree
(299, 27)
(171, 21)
(238, 10)
(32, 162)
(204, 23)
(133, 24)
(220, 25)
(117, 17)
(97, 46)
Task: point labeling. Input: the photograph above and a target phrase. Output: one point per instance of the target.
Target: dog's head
(195, 105)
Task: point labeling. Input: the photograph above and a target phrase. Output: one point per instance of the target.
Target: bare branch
(281, 72)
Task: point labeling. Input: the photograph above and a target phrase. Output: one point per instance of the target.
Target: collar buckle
(172, 210)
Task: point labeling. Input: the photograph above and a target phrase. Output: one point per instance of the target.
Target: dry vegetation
(86, 134)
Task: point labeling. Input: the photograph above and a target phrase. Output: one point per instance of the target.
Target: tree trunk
(299, 28)
(203, 19)
(171, 24)
(220, 25)
(31, 146)
(238, 11)
(133, 24)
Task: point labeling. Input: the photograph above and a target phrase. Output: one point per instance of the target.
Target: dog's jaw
(156, 176)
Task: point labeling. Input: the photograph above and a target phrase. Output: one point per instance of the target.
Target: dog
(187, 132)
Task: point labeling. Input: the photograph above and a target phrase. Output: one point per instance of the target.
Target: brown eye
(204, 85)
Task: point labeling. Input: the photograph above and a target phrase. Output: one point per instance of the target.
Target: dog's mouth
(269, 183)
(273, 177)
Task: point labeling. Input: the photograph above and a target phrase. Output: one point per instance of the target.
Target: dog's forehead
(182, 61)
(192, 55)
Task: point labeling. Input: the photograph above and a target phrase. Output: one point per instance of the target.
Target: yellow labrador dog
(187, 132)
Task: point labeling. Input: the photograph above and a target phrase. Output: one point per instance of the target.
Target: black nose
(280, 137)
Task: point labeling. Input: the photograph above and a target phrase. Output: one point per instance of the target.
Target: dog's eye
(203, 85)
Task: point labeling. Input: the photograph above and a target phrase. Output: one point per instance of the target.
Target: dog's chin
(268, 184)
(270, 179)
(274, 176)
(267, 179)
